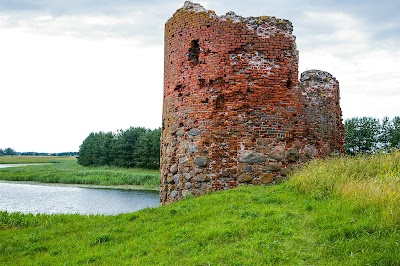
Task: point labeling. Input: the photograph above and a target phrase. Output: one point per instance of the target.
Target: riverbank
(119, 187)
(35, 159)
(68, 171)
(342, 211)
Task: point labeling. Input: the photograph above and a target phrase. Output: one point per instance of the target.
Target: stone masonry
(234, 110)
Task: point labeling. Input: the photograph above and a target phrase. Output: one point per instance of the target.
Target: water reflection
(15, 165)
(29, 198)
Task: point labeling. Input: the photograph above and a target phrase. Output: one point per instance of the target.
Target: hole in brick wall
(179, 94)
(218, 80)
(178, 87)
(202, 82)
(219, 103)
(173, 35)
(288, 83)
(204, 100)
(194, 52)
(180, 124)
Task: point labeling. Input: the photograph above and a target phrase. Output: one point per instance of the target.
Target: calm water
(34, 198)
(15, 165)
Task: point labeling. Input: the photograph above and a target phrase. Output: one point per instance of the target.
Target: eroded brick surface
(323, 114)
(234, 110)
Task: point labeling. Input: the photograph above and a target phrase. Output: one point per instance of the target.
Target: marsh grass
(70, 172)
(368, 181)
(35, 159)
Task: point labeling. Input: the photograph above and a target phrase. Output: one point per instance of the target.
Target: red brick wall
(234, 111)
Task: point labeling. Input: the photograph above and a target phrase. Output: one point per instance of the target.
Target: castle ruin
(234, 110)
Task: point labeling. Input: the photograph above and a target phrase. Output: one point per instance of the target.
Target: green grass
(367, 181)
(310, 220)
(35, 159)
(70, 172)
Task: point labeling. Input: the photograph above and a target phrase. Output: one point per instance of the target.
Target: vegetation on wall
(135, 147)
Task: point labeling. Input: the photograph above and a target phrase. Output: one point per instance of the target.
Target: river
(50, 199)
(16, 165)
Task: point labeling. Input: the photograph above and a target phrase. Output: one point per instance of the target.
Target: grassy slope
(70, 172)
(309, 220)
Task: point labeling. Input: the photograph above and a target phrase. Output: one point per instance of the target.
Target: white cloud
(343, 46)
(333, 30)
(83, 26)
(64, 86)
(82, 66)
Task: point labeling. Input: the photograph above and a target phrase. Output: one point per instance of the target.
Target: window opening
(194, 52)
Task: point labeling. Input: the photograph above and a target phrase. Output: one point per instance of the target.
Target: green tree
(10, 151)
(384, 135)
(103, 145)
(95, 149)
(394, 132)
(147, 150)
(123, 150)
(1, 152)
(154, 153)
(86, 151)
(361, 135)
(134, 147)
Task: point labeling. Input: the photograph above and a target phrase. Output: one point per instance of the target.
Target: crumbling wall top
(263, 26)
(189, 6)
(318, 80)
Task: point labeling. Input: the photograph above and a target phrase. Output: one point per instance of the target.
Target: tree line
(12, 152)
(370, 135)
(140, 147)
(8, 151)
(135, 147)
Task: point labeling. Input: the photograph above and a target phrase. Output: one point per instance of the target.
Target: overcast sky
(68, 68)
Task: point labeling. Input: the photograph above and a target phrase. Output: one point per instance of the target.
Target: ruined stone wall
(325, 128)
(234, 111)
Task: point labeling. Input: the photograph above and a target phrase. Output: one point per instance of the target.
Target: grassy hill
(341, 211)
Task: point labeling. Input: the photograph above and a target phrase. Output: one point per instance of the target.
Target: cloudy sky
(68, 68)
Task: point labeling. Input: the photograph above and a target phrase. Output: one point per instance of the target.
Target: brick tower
(234, 111)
